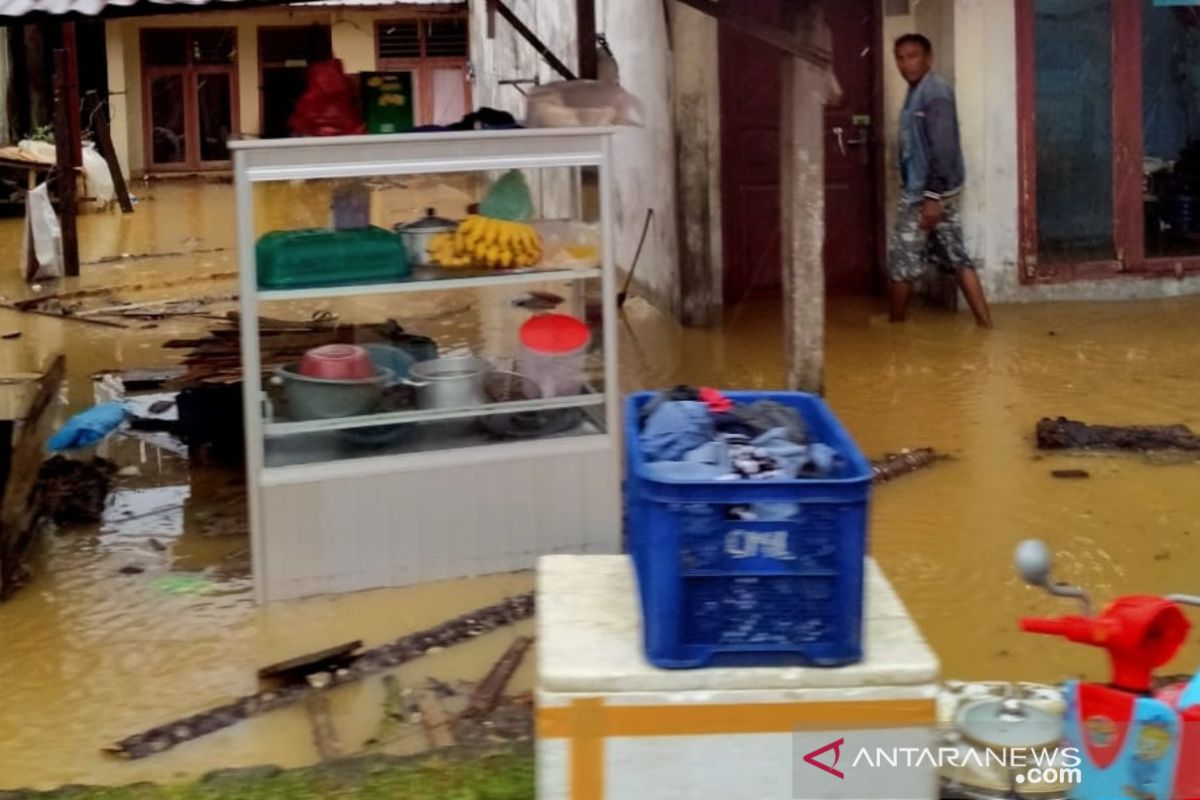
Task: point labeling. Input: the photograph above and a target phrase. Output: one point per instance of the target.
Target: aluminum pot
(456, 382)
(417, 235)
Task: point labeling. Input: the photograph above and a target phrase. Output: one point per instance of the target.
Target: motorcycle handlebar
(1055, 626)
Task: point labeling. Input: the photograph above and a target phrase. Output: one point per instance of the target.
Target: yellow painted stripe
(587, 749)
(697, 720)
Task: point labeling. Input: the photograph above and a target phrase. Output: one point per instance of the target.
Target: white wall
(986, 70)
(644, 170)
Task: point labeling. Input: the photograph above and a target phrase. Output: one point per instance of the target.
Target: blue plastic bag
(88, 427)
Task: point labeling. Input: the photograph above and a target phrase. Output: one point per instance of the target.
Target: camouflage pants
(911, 248)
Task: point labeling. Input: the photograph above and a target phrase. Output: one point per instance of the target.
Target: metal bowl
(321, 398)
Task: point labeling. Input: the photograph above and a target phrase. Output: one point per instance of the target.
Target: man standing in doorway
(928, 226)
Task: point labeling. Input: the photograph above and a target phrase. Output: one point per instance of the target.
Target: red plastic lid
(555, 334)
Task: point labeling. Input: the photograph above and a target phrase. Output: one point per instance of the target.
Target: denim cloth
(675, 429)
(754, 419)
(680, 443)
(931, 159)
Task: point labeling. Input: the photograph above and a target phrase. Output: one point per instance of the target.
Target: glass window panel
(1171, 129)
(215, 46)
(214, 96)
(1073, 84)
(162, 48)
(449, 96)
(168, 130)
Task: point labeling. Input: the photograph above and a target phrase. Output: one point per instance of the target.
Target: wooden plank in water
(310, 662)
(17, 511)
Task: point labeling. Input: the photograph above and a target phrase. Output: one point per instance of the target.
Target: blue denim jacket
(931, 160)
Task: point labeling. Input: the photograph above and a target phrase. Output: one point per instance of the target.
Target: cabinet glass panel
(447, 369)
(322, 234)
(376, 339)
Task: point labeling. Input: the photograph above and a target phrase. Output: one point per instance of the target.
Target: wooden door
(851, 154)
(751, 113)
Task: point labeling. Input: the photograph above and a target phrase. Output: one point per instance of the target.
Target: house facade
(180, 85)
(1079, 122)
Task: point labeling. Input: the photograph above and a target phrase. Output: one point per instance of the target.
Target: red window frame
(189, 72)
(1128, 214)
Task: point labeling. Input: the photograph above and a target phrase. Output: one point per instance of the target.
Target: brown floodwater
(89, 654)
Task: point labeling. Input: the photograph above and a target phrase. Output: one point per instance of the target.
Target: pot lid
(430, 223)
(1009, 723)
(555, 334)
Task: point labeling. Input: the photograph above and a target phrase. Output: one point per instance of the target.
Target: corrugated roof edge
(11, 10)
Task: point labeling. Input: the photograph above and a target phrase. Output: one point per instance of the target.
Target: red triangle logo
(836, 747)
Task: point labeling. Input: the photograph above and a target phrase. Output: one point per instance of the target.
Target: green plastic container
(319, 257)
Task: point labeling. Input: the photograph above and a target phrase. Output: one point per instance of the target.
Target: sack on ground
(42, 253)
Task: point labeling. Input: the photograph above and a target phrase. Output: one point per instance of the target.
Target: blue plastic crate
(719, 591)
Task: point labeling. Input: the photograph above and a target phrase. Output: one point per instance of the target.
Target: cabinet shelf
(439, 283)
(277, 429)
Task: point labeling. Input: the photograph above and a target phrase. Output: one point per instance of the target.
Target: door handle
(841, 142)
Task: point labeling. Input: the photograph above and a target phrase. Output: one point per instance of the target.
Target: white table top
(590, 639)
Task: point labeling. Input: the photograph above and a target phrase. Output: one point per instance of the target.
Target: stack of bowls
(333, 381)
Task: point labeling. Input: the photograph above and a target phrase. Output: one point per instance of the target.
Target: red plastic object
(1105, 717)
(1139, 632)
(555, 334)
(329, 105)
(337, 362)
(717, 403)
(1187, 769)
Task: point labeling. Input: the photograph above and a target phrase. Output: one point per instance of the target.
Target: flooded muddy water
(147, 617)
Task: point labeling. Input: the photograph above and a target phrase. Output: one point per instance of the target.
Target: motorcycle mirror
(1034, 562)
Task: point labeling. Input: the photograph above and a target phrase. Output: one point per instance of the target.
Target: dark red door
(751, 81)
(851, 202)
(751, 112)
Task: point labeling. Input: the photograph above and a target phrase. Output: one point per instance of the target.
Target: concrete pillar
(699, 300)
(806, 89)
(247, 76)
(118, 99)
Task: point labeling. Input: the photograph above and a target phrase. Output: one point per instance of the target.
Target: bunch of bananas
(482, 241)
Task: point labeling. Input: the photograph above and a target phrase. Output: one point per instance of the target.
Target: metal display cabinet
(443, 497)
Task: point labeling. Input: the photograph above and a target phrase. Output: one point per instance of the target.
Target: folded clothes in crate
(713, 439)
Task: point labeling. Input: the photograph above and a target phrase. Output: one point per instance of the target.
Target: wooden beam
(767, 34)
(531, 37)
(17, 511)
(585, 26)
(67, 200)
(71, 48)
(105, 144)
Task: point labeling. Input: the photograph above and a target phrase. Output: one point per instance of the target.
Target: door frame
(191, 104)
(880, 56)
(1128, 213)
(264, 65)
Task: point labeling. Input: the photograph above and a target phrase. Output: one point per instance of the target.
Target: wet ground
(89, 654)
